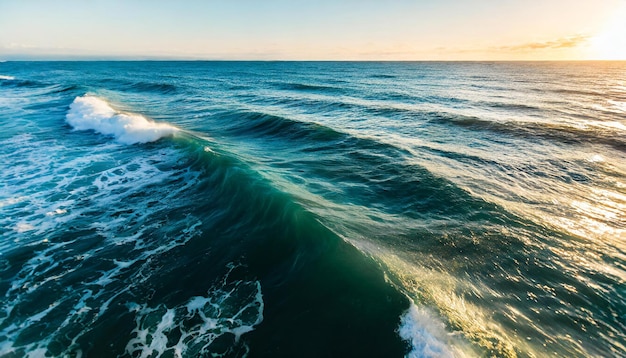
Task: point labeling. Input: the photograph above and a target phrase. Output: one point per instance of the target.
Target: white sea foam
(92, 113)
(423, 331)
(57, 211)
(11, 201)
(46, 191)
(8, 78)
(190, 329)
(23, 227)
(423, 327)
(597, 158)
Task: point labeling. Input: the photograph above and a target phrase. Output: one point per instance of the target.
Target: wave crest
(92, 113)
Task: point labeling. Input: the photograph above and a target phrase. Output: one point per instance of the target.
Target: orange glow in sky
(314, 30)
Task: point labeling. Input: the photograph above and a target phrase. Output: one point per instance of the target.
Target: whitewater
(312, 209)
(90, 112)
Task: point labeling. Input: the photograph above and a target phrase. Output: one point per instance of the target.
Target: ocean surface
(312, 209)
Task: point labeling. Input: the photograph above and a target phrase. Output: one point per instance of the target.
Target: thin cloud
(565, 42)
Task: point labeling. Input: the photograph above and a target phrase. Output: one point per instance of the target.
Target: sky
(313, 29)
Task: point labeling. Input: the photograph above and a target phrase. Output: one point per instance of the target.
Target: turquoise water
(308, 209)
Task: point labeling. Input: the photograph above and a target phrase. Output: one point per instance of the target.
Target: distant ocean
(312, 209)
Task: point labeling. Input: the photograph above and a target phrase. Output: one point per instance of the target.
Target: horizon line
(290, 60)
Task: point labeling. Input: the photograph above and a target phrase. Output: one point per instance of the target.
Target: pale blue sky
(296, 29)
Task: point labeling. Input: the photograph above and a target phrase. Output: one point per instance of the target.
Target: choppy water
(312, 209)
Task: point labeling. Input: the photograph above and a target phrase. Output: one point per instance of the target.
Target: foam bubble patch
(84, 230)
(426, 334)
(209, 325)
(92, 113)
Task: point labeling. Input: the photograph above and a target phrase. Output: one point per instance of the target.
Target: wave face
(306, 209)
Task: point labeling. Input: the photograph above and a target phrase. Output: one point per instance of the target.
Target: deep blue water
(312, 209)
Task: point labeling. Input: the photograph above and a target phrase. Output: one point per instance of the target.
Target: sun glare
(610, 43)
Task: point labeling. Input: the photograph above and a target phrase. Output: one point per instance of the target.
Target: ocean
(312, 209)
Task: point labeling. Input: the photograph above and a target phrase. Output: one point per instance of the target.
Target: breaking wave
(92, 113)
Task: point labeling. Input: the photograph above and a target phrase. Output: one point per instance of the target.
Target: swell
(309, 275)
(576, 92)
(589, 131)
(364, 171)
(140, 86)
(154, 87)
(32, 84)
(532, 130)
(304, 87)
(374, 102)
(425, 220)
(369, 174)
(265, 126)
(428, 233)
(376, 173)
(517, 107)
(383, 76)
(21, 83)
(312, 264)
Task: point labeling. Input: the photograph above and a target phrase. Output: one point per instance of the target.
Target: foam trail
(92, 113)
(8, 78)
